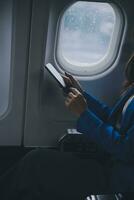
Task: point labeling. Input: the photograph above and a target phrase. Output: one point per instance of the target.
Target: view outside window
(85, 34)
(5, 52)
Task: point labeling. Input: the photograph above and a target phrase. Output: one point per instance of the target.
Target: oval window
(88, 37)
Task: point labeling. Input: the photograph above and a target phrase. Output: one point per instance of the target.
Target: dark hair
(129, 74)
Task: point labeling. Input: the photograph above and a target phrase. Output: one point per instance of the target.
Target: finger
(67, 102)
(75, 91)
(67, 80)
(73, 80)
(67, 74)
(68, 98)
(71, 95)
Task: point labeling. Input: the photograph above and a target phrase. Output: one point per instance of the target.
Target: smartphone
(57, 76)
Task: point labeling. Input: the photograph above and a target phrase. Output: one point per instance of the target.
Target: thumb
(71, 77)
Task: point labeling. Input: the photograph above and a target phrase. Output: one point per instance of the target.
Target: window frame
(110, 63)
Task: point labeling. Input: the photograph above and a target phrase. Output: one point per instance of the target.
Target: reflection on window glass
(5, 52)
(85, 33)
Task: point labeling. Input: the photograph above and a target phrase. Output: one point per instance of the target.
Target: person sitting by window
(111, 128)
(48, 174)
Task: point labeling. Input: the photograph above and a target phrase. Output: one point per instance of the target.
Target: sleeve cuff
(88, 122)
(85, 95)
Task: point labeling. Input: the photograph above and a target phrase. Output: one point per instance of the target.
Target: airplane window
(5, 52)
(88, 37)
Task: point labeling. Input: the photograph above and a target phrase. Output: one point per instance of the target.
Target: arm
(122, 148)
(107, 136)
(100, 109)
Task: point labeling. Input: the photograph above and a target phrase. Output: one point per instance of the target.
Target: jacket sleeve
(107, 136)
(97, 107)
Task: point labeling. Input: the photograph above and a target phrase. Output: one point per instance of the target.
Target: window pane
(5, 52)
(85, 33)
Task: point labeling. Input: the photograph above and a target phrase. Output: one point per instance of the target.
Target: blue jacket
(98, 122)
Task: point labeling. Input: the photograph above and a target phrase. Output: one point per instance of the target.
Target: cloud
(106, 28)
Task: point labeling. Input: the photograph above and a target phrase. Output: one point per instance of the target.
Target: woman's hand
(76, 102)
(72, 82)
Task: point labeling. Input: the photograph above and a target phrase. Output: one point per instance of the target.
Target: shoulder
(129, 105)
(131, 102)
(128, 113)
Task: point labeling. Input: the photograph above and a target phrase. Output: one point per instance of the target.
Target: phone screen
(56, 74)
